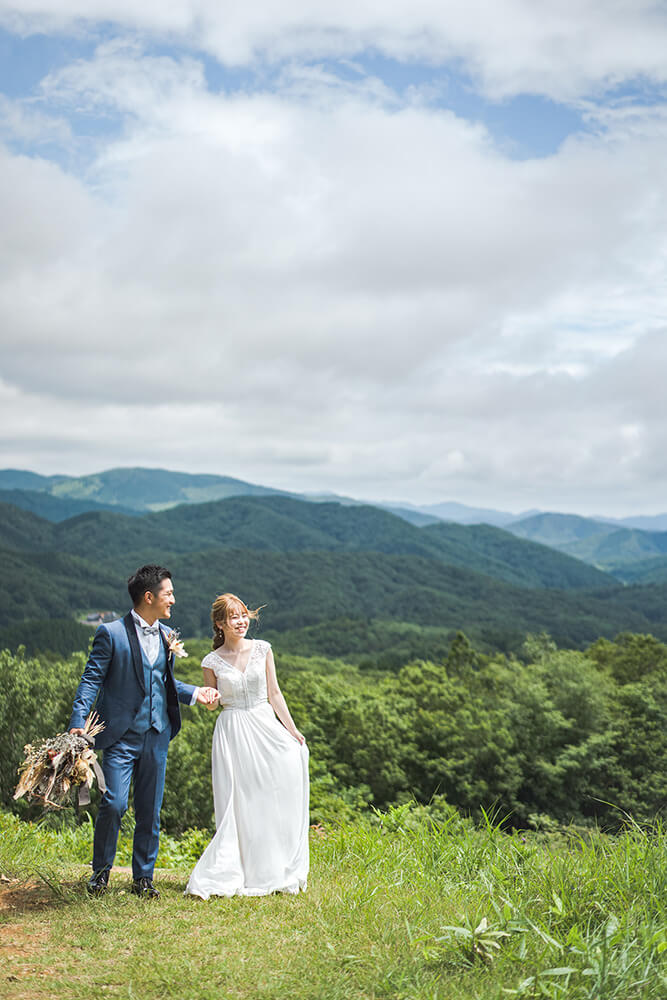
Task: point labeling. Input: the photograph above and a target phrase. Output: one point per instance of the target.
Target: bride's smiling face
(236, 623)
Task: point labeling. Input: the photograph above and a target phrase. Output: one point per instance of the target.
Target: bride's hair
(221, 609)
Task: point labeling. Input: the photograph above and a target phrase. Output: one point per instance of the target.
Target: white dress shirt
(150, 644)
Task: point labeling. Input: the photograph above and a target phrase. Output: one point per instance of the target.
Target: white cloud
(330, 287)
(561, 48)
(21, 122)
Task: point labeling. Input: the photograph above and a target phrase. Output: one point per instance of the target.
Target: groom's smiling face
(162, 602)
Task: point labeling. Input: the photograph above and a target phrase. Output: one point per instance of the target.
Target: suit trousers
(142, 757)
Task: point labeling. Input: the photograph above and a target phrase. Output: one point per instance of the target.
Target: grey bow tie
(150, 629)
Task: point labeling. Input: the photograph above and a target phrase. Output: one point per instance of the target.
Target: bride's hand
(209, 697)
(299, 737)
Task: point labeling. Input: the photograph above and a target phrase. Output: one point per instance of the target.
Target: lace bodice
(241, 690)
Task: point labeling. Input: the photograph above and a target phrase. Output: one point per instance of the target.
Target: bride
(260, 769)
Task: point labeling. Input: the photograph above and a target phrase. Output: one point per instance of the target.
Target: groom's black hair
(146, 578)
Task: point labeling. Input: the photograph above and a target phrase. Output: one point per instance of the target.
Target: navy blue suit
(139, 706)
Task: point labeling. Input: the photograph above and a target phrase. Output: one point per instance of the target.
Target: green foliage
(35, 702)
(566, 736)
(558, 738)
(631, 658)
(58, 636)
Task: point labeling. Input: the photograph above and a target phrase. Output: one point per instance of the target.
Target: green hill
(652, 570)
(150, 489)
(22, 479)
(339, 593)
(630, 554)
(498, 553)
(39, 585)
(325, 572)
(54, 508)
(283, 524)
(23, 531)
(621, 548)
(344, 591)
(560, 530)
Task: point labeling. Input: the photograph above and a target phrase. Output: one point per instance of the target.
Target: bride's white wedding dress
(260, 791)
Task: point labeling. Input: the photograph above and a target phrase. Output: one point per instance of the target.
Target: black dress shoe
(144, 887)
(98, 883)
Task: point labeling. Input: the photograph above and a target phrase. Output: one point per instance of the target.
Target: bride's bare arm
(277, 699)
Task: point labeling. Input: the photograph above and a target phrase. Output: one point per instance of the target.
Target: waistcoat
(153, 711)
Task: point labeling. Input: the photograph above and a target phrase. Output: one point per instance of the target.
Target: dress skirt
(260, 791)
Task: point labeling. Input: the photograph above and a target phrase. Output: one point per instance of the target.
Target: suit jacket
(113, 683)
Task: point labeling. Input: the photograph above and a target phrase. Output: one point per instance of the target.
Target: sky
(411, 251)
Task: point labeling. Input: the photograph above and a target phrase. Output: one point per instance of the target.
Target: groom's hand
(207, 695)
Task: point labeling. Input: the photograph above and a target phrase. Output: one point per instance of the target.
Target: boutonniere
(175, 643)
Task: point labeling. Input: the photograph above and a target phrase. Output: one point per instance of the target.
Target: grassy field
(397, 907)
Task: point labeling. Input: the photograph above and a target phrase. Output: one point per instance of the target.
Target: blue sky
(523, 125)
(413, 253)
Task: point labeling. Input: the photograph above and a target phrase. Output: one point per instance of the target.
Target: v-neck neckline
(231, 665)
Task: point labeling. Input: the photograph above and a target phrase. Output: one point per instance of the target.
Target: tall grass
(399, 906)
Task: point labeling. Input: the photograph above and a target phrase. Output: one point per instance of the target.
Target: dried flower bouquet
(56, 765)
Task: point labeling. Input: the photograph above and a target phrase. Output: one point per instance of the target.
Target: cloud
(560, 48)
(22, 123)
(329, 284)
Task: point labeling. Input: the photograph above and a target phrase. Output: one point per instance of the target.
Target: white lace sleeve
(212, 662)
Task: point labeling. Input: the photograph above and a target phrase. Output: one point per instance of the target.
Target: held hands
(208, 696)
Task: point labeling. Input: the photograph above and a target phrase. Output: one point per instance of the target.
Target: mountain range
(630, 554)
(143, 489)
(633, 549)
(342, 578)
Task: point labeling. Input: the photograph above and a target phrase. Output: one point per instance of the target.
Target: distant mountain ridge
(283, 524)
(324, 569)
(609, 545)
(154, 489)
(631, 554)
(140, 488)
(462, 514)
(55, 508)
(559, 530)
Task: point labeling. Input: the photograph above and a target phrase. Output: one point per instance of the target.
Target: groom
(130, 671)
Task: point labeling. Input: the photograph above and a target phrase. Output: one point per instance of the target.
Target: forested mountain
(496, 552)
(156, 489)
(645, 522)
(621, 548)
(22, 479)
(54, 508)
(23, 531)
(463, 514)
(281, 524)
(354, 580)
(630, 554)
(559, 530)
(133, 488)
(340, 596)
(40, 585)
(652, 570)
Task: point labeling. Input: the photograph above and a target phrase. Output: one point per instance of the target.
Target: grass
(397, 907)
